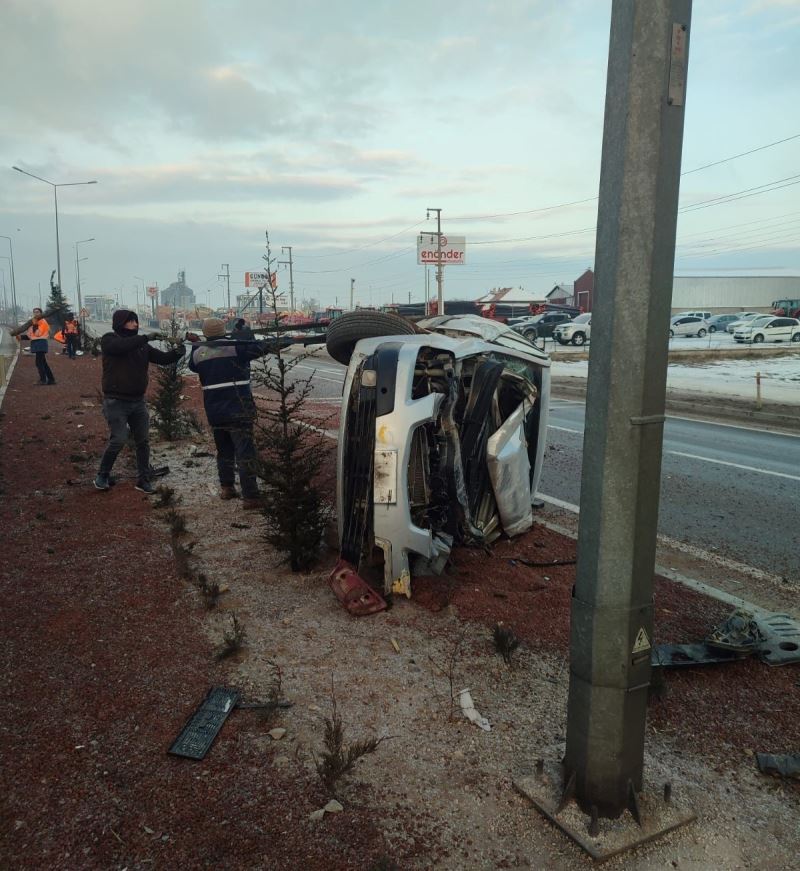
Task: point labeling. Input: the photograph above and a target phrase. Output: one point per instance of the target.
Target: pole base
(601, 838)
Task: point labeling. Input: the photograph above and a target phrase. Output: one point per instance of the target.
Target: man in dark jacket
(126, 357)
(223, 366)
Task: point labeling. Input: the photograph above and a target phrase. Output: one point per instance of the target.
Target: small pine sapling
(292, 453)
(233, 639)
(338, 758)
(505, 642)
(171, 420)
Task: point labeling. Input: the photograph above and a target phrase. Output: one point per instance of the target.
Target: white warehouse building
(723, 294)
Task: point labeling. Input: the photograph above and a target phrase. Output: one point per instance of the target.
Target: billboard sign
(453, 250)
(260, 279)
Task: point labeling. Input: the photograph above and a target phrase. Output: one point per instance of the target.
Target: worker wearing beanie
(223, 366)
(126, 358)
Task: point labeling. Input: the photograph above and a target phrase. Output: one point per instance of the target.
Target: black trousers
(126, 416)
(235, 448)
(45, 373)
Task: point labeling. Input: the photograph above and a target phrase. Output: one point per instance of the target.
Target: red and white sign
(152, 292)
(453, 249)
(260, 279)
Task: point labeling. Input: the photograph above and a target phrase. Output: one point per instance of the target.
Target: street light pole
(291, 275)
(78, 259)
(144, 293)
(13, 281)
(55, 187)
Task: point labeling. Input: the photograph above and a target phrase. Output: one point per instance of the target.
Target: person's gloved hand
(192, 337)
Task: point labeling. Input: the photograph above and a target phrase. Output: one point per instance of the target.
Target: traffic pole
(439, 274)
(612, 602)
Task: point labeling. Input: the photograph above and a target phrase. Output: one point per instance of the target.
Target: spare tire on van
(345, 331)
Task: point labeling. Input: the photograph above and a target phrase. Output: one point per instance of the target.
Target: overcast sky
(335, 125)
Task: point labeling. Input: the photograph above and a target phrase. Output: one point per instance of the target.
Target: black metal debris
(204, 725)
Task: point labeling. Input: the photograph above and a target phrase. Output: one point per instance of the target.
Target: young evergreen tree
(171, 420)
(56, 300)
(293, 454)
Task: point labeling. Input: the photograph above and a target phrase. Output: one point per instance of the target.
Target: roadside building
(723, 294)
(719, 294)
(562, 294)
(178, 295)
(100, 306)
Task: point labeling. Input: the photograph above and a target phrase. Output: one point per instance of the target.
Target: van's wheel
(796, 337)
(757, 338)
(345, 331)
(712, 329)
(531, 335)
(701, 334)
(578, 339)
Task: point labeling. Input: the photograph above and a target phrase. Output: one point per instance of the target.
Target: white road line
(563, 428)
(735, 465)
(559, 503)
(329, 369)
(742, 427)
(690, 549)
(329, 380)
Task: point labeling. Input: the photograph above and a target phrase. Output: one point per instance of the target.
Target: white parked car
(769, 329)
(704, 315)
(576, 332)
(687, 325)
(744, 318)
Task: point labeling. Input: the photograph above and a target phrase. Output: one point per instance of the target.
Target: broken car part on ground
(441, 441)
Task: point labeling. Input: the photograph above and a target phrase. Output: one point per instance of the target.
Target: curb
(9, 373)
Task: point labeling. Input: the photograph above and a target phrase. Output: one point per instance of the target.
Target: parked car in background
(720, 322)
(687, 325)
(704, 315)
(769, 329)
(743, 318)
(540, 326)
(576, 332)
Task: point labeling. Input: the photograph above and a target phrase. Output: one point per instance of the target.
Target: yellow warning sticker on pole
(642, 643)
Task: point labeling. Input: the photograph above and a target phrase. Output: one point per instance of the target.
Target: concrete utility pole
(227, 276)
(352, 288)
(612, 604)
(439, 275)
(291, 275)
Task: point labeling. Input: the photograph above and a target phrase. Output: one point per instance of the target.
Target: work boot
(254, 503)
(144, 486)
(101, 482)
(227, 491)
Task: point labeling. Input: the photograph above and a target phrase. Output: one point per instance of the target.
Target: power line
(362, 247)
(746, 194)
(743, 154)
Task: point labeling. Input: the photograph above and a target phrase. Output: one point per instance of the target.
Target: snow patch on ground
(780, 377)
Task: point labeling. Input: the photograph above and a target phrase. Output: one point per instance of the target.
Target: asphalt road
(730, 490)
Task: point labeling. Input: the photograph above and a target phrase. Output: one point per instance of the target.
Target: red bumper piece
(353, 591)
